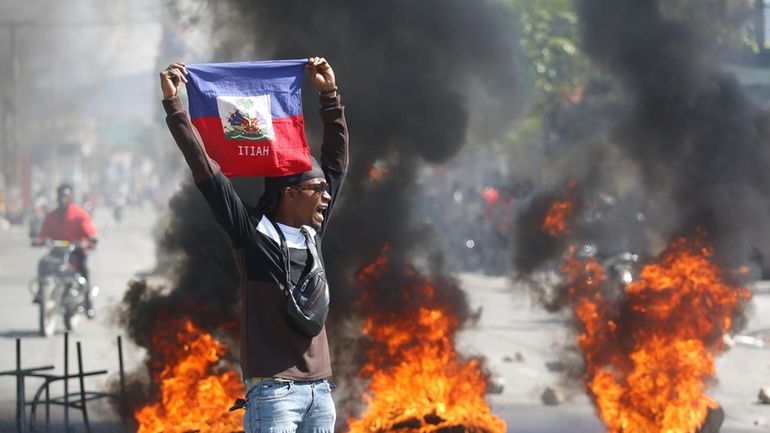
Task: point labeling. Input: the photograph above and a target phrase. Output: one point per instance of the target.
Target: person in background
(69, 222)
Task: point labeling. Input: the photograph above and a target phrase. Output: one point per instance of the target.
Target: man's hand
(322, 76)
(171, 79)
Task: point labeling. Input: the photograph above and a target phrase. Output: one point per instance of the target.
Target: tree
(550, 42)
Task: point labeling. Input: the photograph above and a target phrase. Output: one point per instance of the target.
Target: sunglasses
(317, 188)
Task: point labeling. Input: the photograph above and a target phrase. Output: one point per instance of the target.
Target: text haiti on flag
(249, 115)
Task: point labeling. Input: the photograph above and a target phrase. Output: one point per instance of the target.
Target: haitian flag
(249, 115)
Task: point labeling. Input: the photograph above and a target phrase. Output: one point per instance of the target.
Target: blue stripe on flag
(282, 79)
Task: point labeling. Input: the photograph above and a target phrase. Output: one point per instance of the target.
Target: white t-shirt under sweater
(296, 242)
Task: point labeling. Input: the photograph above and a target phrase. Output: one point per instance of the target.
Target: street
(124, 249)
(510, 323)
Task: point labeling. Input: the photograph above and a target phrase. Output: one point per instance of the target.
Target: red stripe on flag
(288, 154)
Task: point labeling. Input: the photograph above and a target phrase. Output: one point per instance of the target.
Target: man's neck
(286, 220)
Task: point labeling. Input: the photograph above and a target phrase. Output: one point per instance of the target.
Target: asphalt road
(124, 249)
(510, 323)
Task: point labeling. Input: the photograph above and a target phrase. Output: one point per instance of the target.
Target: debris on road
(764, 395)
(517, 357)
(496, 385)
(553, 396)
(555, 366)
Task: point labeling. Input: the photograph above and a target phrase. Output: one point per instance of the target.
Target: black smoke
(681, 143)
(408, 73)
(413, 75)
(690, 128)
(196, 279)
(537, 245)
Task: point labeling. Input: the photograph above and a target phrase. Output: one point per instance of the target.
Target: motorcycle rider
(69, 222)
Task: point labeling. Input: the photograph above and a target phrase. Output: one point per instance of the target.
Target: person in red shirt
(69, 222)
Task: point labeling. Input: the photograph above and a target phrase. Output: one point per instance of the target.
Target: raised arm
(334, 148)
(186, 137)
(227, 207)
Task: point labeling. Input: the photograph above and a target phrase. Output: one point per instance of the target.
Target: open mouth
(319, 212)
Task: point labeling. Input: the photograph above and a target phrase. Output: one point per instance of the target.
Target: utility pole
(759, 24)
(10, 144)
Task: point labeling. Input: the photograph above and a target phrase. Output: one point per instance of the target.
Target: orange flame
(555, 223)
(649, 359)
(419, 383)
(378, 172)
(192, 397)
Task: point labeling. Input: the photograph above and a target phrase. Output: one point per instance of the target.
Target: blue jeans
(274, 406)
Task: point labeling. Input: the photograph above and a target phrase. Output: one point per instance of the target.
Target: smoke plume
(408, 73)
(691, 129)
(684, 145)
(197, 279)
(405, 70)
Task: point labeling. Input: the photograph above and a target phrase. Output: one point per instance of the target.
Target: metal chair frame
(43, 394)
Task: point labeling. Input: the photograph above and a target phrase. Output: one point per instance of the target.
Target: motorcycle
(59, 288)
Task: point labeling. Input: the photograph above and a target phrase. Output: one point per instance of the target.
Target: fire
(555, 223)
(378, 172)
(419, 383)
(192, 397)
(650, 354)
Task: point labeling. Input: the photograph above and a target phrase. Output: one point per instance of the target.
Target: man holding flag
(246, 120)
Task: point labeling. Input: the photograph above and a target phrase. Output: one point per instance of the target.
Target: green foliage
(550, 39)
(557, 67)
(550, 42)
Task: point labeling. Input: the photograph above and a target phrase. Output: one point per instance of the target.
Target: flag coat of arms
(249, 115)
